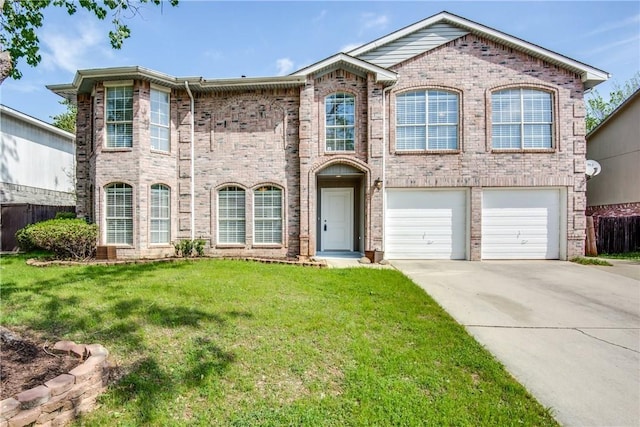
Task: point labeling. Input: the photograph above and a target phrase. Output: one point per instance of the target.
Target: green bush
(65, 215)
(66, 238)
(188, 248)
(23, 239)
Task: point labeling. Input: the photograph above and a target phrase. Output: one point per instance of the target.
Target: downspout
(193, 178)
(384, 163)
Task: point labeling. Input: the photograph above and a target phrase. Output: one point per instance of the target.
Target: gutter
(384, 161)
(192, 142)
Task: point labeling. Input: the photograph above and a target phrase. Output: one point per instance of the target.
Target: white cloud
(613, 44)
(371, 20)
(284, 66)
(606, 27)
(73, 49)
(320, 16)
(350, 47)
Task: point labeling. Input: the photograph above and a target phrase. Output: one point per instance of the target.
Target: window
(231, 215)
(119, 214)
(119, 116)
(267, 218)
(427, 120)
(160, 222)
(521, 119)
(340, 122)
(159, 120)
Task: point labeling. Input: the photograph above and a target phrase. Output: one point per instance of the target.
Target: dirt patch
(26, 363)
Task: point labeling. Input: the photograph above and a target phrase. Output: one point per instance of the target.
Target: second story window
(521, 119)
(159, 120)
(340, 119)
(119, 116)
(427, 120)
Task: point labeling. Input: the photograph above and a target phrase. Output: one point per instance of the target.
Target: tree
(20, 19)
(67, 120)
(599, 109)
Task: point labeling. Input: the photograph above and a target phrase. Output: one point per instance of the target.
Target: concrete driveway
(569, 333)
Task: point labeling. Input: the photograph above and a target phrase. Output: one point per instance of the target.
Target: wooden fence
(618, 235)
(16, 216)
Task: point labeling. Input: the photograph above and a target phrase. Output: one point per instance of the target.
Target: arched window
(231, 215)
(340, 119)
(521, 119)
(267, 215)
(427, 120)
(160, 217)
(119, 214)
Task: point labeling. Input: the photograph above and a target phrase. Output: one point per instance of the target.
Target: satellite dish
(593, 168)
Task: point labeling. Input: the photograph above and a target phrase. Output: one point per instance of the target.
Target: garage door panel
(521, 224)
(425, 224)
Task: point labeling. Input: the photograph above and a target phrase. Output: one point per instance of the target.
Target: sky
(228, 39)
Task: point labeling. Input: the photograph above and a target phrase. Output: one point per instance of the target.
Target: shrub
(187, 248)
(23, 239)
(65, 215)
(66, 238)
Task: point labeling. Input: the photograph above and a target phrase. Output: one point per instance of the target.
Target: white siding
(425, 224)
(35, 157)
(521, 224)
(413, 44)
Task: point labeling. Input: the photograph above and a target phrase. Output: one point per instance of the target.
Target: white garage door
(521, 224)
(425, 224)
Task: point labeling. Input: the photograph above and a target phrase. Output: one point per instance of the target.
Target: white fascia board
(382, 74)
(36, 122)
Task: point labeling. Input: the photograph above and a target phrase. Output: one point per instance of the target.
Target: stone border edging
(60, 400)
(36, 263)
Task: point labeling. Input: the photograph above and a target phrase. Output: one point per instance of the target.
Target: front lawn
(215, 342)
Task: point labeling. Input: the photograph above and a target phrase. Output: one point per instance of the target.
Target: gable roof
(342, 60)
(444, 24)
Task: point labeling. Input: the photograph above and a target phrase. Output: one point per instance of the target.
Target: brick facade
(275, 136)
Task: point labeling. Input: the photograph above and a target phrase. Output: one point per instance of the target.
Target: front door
(336, 219)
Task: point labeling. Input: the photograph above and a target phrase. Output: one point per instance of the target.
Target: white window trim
(151, 217)
(157, 88)
(107, 218)
(281, 218)
(427, 124)
(522, 123)
(218, 217)
(326, 126)
(113, 85)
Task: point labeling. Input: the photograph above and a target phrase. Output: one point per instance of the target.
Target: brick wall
(473, 68)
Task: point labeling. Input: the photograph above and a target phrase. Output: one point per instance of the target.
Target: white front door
(336, 219)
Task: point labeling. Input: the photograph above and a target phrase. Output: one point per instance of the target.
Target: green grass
(590, 261)
(635, 256)
(216, 342)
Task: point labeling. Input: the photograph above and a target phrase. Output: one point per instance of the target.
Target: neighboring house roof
(85, 79)
(4, 110)
(342, 60)
(634, 96)
(444, 27)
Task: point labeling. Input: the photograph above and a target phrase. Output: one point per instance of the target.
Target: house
(446, 139)
(615, 192)
(37, 166)
(615, 144)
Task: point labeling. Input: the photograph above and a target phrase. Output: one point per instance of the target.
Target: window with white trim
(119, 214)
(267, 215)
(160, 215)
(231, 215)
(340, 119)
(427, 120)
(521, 119)
(119, 116)
(159, 120)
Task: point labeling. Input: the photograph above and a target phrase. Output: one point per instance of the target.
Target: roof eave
(382, 75)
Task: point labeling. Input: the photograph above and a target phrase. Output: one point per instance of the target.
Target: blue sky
(233, 38)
